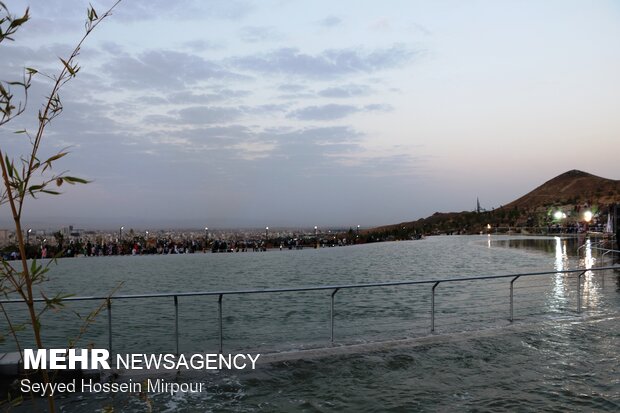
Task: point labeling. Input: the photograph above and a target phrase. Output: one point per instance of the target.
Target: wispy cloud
(164, 69)
(326, 112)
(328, 64)
(255, 34)
(345, 91)
(333, 111)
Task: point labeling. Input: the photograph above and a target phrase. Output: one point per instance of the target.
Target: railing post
(109, 305)
(176, 322)
(512, 298)
(332, 315)
(579, 293)
(433, 306)
(219, 306)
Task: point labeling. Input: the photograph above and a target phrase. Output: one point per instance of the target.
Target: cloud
(346, 91)
(192, 9)
(289, 87)
(255, 34)
(330, 21)
(378, 107)
(317, 135)
(208, 115)
(188, 97)
(266, 109)
(164, 69)
(328, 64)
(115, 49)
(325, 112)
(333, 111)
(196, 115)
(200, 45)
(43, 58)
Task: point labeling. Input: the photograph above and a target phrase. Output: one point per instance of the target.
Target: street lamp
(266, 236)
(358, 231)
(316, 236)
(28, 235)
(587, 216)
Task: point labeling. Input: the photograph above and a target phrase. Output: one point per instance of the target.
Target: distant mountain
(569, 192)
(572, 187)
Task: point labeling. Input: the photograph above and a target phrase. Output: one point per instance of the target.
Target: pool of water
(556, 360)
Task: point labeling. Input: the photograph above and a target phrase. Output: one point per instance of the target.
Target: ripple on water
(564, 364)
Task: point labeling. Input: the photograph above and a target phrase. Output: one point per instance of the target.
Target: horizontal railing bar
(604, 249)
(316, 288)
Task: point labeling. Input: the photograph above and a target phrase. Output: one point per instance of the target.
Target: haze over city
(283, 113)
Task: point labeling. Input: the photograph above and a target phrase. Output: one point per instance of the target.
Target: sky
(234, 113)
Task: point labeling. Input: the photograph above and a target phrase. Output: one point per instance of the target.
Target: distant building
(4, 237)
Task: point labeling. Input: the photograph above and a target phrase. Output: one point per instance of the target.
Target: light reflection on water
(561, 262)
(552, 364)
(590, 282)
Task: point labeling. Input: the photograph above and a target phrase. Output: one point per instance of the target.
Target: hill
(571, 193)
(570, 188)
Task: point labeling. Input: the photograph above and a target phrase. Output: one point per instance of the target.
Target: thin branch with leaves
(29, 176)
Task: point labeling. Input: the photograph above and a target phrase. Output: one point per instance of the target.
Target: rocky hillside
(571, 192)
(572, 187)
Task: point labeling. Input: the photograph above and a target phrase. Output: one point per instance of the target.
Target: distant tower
(477, 205)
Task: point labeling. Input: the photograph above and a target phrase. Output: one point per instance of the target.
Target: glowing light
(559, 215)
(587, 216)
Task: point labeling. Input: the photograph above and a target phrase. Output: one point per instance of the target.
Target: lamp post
(28, 235)
(266, 237)
(358, 231)
(316, 237)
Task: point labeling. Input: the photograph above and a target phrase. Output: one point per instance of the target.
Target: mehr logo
(63, 359)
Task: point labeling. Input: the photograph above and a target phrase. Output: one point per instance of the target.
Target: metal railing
(590, 245)
(604, 251)
(334, 290)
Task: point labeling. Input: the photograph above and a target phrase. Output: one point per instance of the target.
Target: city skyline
(288, 114)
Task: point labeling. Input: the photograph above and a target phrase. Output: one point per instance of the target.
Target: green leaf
(33, 267)
(56, 157)
(9, 166)
(92, 14)
(68, 67)
(75, 180)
